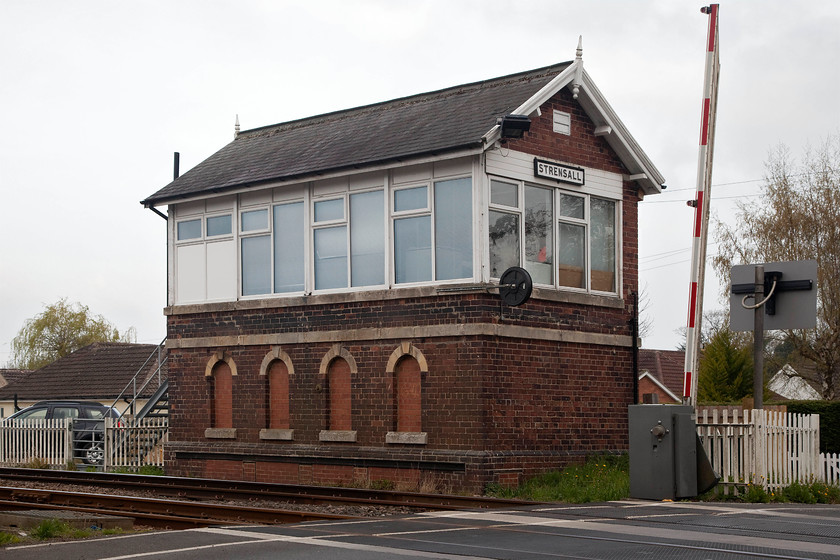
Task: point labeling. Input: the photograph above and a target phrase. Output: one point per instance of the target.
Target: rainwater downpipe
(175, 174)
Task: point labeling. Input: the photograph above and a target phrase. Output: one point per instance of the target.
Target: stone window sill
(275, 434)
(338, 435)
(409, 438)
(220, 433)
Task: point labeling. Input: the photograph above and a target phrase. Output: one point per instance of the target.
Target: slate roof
(668, 366)
(96, 372)
(441, 121)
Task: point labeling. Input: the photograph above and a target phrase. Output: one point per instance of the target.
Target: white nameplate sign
(558, 172)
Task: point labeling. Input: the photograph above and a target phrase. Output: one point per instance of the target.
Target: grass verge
(602, 478)
(54, 529)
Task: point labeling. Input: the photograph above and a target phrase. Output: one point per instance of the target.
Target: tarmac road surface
(628, 529)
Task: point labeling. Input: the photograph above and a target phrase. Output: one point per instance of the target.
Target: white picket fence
(48, 441)
(126, 442)
(830, 467)
(764, 447)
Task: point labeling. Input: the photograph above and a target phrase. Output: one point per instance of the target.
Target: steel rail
(201, 488)
(149, 509)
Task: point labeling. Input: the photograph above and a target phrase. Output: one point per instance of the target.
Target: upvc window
(289, 247)
(576, 249)
(272, 249)
(330, 244)
(603, 244)
(255, 252)
(433, 245)
(189, 229)
(367, 238)
(216, 226)
(357, 258)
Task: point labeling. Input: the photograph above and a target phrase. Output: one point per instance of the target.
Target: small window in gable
(562, 123)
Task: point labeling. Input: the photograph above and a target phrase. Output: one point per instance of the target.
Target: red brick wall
(582, 147)
(647, 386)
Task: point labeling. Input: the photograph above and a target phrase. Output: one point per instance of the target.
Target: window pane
(504, 193)
(571, 206)
(367, 239)
(571, 270)
(329, 210)
(453, 229)
(289, 263)
(331, 258)
(256, 265)
(411, 199)
(35, 414)
(539, 250)
(413, 249)
(218, 225)
(190, 229)
(504, 242)
(255, 220)
(602, 240)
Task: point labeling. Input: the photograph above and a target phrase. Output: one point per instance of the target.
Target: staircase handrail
(133, 382)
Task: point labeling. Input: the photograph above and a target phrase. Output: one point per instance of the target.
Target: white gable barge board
(519, 165)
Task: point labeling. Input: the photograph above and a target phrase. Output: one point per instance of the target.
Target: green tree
(725, 369)
(59, 330)
(796, 218)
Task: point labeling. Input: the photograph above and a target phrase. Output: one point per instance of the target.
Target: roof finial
(579, 69)
(236, 127)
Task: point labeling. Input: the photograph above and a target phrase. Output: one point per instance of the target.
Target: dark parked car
(88, 423)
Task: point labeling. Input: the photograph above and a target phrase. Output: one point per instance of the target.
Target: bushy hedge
(829, 412)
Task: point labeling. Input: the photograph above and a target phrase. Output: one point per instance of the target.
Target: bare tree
(796, 218)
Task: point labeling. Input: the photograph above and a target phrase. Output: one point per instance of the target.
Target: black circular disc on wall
(515, 286)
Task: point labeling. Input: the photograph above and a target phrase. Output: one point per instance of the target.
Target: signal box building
(334, 314)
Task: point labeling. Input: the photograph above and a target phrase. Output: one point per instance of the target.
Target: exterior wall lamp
(514, 126)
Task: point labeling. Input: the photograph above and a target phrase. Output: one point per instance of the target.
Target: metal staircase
(142, 430)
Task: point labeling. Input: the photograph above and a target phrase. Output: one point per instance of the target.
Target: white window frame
(233, 224)
(193, 218)
(268, 230)
(326, 224)
(413, 213)
(585, 222)
(428, 210)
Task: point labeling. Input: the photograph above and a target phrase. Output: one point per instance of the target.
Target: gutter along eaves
(472, 148)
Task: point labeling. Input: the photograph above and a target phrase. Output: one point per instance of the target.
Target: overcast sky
(97, 95)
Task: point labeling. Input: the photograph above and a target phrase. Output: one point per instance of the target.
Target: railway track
(172, 514)
(200, 502)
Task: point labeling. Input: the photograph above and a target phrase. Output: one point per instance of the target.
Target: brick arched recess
(338, 369)
(220, 371)
(277, 369)
(408, 366)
